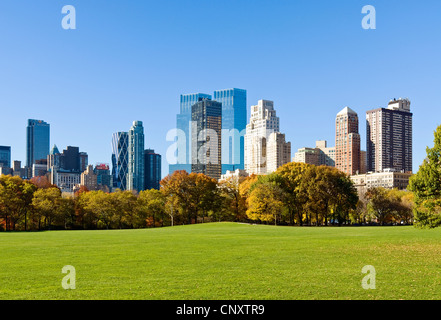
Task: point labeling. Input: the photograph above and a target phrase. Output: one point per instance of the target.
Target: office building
(5, 156)
(37, 141)
(389, 137)
(265, 146)
(104, 178)
(120, 160)
(234, 122)
(183, 125)
(135, 175)
(206, 136)
(84, 161)
(152, 170)
(347, 142)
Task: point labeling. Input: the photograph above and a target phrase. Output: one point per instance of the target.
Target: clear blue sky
(130, 60)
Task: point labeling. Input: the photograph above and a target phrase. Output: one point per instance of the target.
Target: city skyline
(107, 84)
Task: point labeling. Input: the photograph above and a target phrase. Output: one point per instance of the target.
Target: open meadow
(223, 261)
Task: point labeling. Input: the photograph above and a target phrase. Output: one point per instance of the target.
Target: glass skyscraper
(234, 122)
(135, 177)
(5, 156)
(206, 138)
(120, 159)
(152, 171)
(37, 141)
(183, 123)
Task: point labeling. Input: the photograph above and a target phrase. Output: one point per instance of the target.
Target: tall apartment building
(347, 142)
(389, 137)
(120, 160)
(135, 176)
(206, 138)
(152, 171)
(265, 147)
(234, 122)
(37, 142)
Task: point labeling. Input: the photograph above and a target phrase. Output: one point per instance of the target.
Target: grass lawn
(223, 261)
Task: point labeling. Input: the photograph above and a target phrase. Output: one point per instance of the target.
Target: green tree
(426, 186)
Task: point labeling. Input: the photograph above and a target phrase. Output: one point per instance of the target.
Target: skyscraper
(347, 142)
(234, 122)
(389, 137)
(265, 146)
(206, 138)
(120, 159)
(37, 141)
(152, 171)
(183, 125)
(135, 177)
(5, 157)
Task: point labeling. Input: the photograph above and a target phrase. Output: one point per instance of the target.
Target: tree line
(296, 194)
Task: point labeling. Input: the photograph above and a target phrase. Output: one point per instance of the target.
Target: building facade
(206, 138)
(152, 171)
(135, 177)
(389, 137)
(347, 142)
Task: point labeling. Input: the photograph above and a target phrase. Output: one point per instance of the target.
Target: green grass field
(223, 261)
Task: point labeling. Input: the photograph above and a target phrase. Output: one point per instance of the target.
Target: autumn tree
(15, 201)
(292, 174)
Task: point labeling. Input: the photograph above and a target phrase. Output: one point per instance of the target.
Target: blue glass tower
(120, 148)
(234, 122)
(37, 141)
(5, 156)
(183, 124)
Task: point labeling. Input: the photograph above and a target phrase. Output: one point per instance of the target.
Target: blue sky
(130, 60)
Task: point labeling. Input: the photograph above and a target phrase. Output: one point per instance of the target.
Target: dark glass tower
(152, 169)
(234, 122)
(120, 147)
(5, 156)
(37, 141)
(206, 138)
(183, 124)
